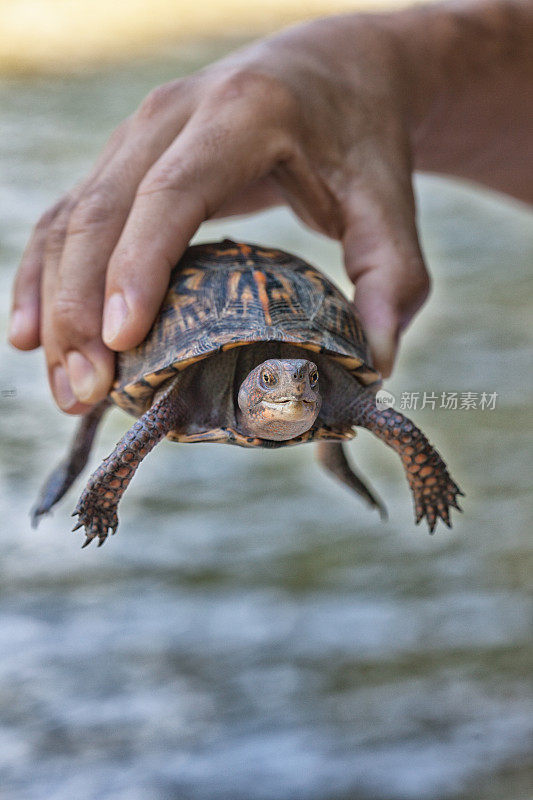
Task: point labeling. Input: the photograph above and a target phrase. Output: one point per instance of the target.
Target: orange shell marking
(245, 249)
(261, 282)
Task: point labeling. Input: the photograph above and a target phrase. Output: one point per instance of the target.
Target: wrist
(467, 69)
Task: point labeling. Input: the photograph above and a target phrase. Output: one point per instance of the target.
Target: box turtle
(257, 348)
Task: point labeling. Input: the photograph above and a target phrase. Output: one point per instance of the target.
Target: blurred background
(254, 632)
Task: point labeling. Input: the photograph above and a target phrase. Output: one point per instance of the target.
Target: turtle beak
(291, 409)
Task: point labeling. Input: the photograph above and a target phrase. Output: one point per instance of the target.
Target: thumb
(383, 259)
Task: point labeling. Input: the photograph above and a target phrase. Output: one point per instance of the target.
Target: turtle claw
(96, 517)
(434, 501)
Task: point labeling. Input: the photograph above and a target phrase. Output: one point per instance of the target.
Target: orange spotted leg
(97, 506)
(433, 489)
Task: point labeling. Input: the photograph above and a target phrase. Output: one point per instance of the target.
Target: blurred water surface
(254, 632)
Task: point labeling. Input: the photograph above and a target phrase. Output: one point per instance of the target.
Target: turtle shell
(228, 294)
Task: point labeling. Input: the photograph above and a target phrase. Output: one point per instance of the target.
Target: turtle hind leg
(66, 472)
(97, 506)
(434, 491)
(332, 456)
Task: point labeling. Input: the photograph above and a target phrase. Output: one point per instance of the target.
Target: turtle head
(280, 398)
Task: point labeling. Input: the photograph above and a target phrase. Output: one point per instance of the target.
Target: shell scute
(230, 294)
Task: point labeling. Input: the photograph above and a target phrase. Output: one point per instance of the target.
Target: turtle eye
(313, 378)
(268, 379)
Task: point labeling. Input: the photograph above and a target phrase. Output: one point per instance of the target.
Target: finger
(25, 322)
(258, 196)
(57, 374)
(208, 163)
(75, 284)
(384, 260)
(309, 195)
(62, 392)
(24, 328)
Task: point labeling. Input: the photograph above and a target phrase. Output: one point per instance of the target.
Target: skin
(280, 399)
(279, 403)
(330, 118)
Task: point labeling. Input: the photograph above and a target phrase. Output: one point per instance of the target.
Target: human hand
(313, 117)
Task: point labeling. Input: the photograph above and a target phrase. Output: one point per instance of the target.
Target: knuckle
(252, 86)
(262, 104)
(46, 220)
(423, 288)
(158, 99)
(424, 284)
(119, 134)
(167, 177)
(417, 283)
(55, 237)
(94, 207)
(70, 315)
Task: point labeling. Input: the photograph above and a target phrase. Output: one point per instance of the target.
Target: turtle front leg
(433, 489)
(97, 506)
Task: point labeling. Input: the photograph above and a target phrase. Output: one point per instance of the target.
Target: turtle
(252, 347)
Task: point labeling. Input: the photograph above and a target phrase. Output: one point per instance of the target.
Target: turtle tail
(332, 456)
(64, 475)
(434, 491)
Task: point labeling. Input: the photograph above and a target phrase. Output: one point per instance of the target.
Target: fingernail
(62, 390)
(82, 376)
(18, 324)
(115, 314)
